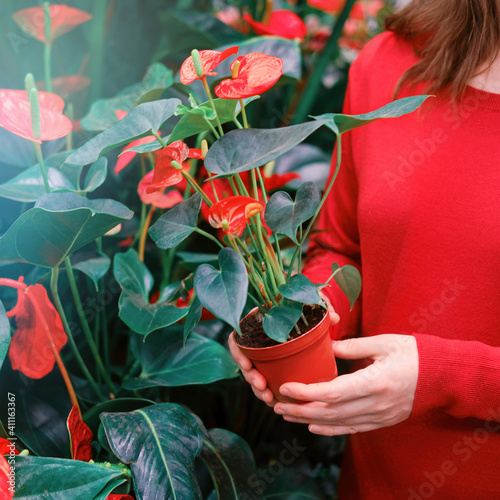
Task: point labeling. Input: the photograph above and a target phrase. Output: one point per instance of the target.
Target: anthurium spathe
(80, 436)
(330, 6)
(63, 18)
(67, 84)
(158, 199)
(6, 447)
(282, 23)
(210, 59)
(15, 115)
(253, 73)
(7, 481)
(39, 331)
(232, 214)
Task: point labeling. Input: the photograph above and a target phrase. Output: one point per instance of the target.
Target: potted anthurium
(289, 319)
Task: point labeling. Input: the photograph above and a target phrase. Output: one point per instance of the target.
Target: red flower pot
(307, 359)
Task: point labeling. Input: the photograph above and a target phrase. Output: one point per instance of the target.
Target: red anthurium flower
(62, 19)
(66, 85)
(15, 115)
(7, 482)
(256, 73)
(80, 436)
(126, 242)
(330, 6)
(165, 174)
(38, 325)
(282, 23)
(367, 8)
(159, 199)
(232, 17)
(115, 496)
(275, 181)
(7, 446)
(210, 59)
(232, 214)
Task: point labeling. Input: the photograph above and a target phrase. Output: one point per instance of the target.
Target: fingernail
(279, 411)
(285, 391)
(314, 428)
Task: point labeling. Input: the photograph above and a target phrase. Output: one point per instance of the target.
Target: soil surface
(253, 334)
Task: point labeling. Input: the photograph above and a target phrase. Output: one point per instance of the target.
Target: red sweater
(416, 207)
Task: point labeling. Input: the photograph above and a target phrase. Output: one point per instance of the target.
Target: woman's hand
(377, 396)
(255, 378)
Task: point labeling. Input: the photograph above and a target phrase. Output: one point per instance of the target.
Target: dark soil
(253, 334)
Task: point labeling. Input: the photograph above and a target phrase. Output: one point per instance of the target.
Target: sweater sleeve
(336, 239)
(459, 377)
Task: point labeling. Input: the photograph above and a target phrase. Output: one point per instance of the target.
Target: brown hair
(453, 38)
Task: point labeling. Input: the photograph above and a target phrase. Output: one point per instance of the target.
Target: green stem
(237, 123)
(212, 128)
(159, 138)
(41, 163)
(96, 49)
(167, 260)
(196, 187)
(47, 51)
(209, 236)
(60, 310)
(209, 94)
(314, 83)
(85, 326)
(243, 113)
(327, 191)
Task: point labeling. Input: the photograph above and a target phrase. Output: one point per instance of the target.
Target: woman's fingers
(243, 362)
(334, 317)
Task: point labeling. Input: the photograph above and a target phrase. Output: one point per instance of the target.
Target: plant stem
(47, 50)
(216, 196)
(209, 236)
(60, 310)
(212, 128)
(96, 47)
(243, 113)
(159, 138)
(86, 329)
(314, 83)
(327, 191)
(41, 163)
(192, 182)
(144, 233)
(209, 94)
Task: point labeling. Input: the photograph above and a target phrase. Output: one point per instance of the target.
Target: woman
(417, 208)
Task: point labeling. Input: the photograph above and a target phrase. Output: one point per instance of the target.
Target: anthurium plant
(137, 230)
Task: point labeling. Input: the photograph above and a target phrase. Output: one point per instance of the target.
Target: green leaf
(96, 175)
(141, 121)
(190, 260)
(160, 442)
(279, 321)
(283, 215)
(149, 147)
(102, 112)
(242, 150)
(59, 224)
(290, 484)
(134, 308)
(300, 289)
(177, 224)
(231, 463)
(193, 317)
(193, 122)
(223, 292)
(5, 333)
(95, 268)
(91, 417)
(349, 281)
(166, 363)
(60, 479)
(340, 123)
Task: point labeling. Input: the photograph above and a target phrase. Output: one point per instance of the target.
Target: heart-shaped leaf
(280, 320)
(160, 442)
(5, 333)
(300, 289)
(242, 150)
(63, 479)
(59, 224)
(134, 308)
(166, 362)
(177, 224)
(283, 215)
(349, 281)
(141, 121)
(340, 123)
(96, 175)
(231, 463)
(224, 291)
(102, 112)
(193, 122)
(94, 267)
